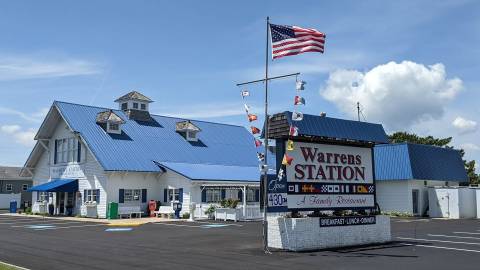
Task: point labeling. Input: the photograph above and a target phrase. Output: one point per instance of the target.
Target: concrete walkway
(110, 222)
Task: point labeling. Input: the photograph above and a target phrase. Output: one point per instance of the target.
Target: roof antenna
(358, 111)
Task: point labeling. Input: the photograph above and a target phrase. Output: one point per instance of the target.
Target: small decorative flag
(287, 160)
(300, 85)
(293, 131)
(299, 100)
(247, 108)
(255, 130)
(281, 174)
(291, 40)
(261, 156)
(245, 93)
(252, 117)
(297, 116)
(290, 146)
(258, 143)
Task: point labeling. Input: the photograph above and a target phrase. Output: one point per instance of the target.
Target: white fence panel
(5, 200)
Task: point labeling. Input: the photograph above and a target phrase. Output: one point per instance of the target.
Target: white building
(404, 172)
(88, 156)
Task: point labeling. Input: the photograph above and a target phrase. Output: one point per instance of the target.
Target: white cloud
(19, 135)
(397, 95)
(464, 125)
(19, 67)
(470, 147)
(35, 117)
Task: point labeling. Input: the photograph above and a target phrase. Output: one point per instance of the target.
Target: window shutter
(98, 195)
(144, 195)
(165, 195)
(223, 194)
(204, 195)
(84, 195)
(55, 153)
(79, 152)
(180, 195)
(120, 196)
(257, 195)
(240, 195)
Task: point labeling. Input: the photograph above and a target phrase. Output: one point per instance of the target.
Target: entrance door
(61, 202)
(415, 201)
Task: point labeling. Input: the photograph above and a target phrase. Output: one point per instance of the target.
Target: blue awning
(57, 185)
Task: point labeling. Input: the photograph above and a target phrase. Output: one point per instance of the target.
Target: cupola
(188, 130)
(110, 122)
(135, 105)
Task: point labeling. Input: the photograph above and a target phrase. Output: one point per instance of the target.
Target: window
(173, 195)
(135, 105)
(24, 187)
(132, 195)
(124, 106)
(213, 195)
(9, 187)
(92, 195)
(251, 195)
(143, 106)
(231, 194)
(113, 126)
(191, 136)
(66, 150)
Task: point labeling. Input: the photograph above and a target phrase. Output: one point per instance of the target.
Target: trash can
(177, 207)
(13, 207)
(112, 212)
(51, 209)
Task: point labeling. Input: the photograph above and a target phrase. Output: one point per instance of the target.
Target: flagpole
(265, 172)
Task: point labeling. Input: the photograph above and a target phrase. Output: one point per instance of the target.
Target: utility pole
(358, 111)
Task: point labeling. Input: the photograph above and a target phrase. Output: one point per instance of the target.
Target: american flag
(292, 40)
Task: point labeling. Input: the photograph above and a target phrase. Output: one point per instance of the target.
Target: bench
(129, 211)
(164, 211)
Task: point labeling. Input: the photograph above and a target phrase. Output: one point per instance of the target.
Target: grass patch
(4, 266)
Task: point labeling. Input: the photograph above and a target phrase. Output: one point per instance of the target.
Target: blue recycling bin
(13, 207)
(177, 207)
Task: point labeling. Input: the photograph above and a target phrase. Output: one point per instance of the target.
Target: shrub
(229, 203)
(210, 210)
(186, 215)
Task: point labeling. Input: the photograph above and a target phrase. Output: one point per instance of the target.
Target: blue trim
(57, 185)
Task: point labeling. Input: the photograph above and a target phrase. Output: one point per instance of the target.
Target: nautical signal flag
(255, 130)
(291, 40)
(299, 100)
(287, 160)
(261, 156)
(247, 108)
(258, 143)
(252, 117)
(245, 93)
(290, 146)
(297, 116)
(300, 85)
(281, 174)
(293, 131)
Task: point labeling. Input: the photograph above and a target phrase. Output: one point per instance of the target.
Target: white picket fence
(252, 211)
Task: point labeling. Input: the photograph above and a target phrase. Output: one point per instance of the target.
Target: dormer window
(143, 106)
(188, 130)
(135, 105)
(124, 106)
(110, 122)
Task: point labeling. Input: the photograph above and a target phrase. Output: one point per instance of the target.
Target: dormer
(188, 130)
(110, 122)
(135, 105)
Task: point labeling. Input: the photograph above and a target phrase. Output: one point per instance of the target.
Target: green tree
(399, 137)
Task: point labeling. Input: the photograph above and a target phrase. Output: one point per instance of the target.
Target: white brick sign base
(298, 234)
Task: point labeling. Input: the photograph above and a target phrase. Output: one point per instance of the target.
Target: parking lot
(38, 243)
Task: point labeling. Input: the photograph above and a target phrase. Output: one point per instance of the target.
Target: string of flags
(251, 117)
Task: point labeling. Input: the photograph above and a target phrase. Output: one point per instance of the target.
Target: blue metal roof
(57, 185)
(140, 144)
(405, 161)
(211, 172)
(322, 126)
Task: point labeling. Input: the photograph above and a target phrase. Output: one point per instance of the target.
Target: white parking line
(48, 223)
(212, 223)
(449, 248)
(452, 236)
(468, 233)
(178, 225)
(440, 241)
(29, 221)
(68, 227)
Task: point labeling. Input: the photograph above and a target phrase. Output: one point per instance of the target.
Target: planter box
(228, 214)
(299, 234)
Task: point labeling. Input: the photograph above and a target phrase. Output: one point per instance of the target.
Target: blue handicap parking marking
(44, 226)
(118, 229)
(207, 226)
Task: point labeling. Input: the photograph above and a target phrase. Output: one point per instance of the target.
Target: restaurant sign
(67, 171)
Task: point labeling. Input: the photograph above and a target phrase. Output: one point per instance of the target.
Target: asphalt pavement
(61, 244)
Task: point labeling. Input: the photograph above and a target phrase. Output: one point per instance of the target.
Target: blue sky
(415, 63)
